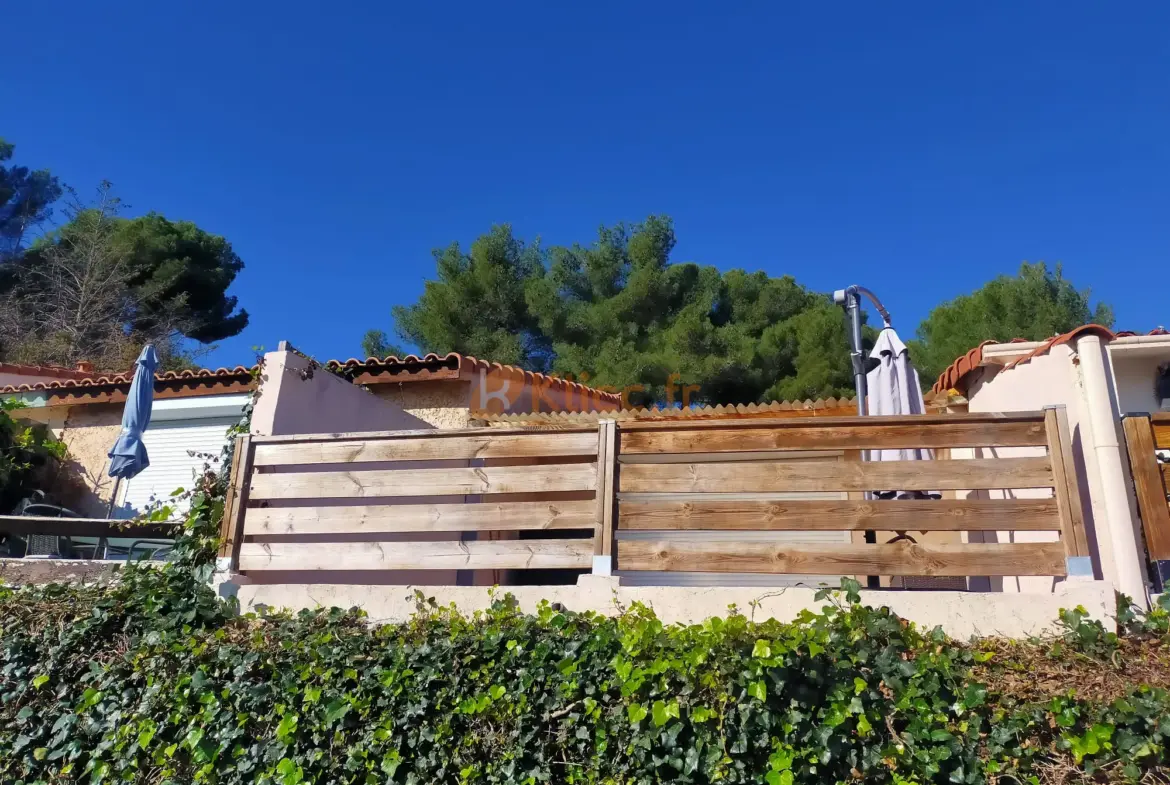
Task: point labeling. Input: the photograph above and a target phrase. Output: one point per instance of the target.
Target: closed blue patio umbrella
(128, 455)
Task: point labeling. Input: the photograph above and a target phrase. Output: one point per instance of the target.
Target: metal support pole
(850, 299)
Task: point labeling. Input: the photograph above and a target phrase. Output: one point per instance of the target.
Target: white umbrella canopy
(894, 389)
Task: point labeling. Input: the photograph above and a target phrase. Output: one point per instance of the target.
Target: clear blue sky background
(335, 144)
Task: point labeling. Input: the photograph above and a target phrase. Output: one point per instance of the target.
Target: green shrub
(25, 448)
(153, 679)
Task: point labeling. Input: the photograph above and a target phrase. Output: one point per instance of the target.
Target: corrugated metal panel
(169, 446)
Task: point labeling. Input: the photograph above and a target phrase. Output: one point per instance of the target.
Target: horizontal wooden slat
(901, 558)
(1162, 436)
(844, 476)
(515, 516)
(85, 527)
(424, 482)
(422, 433)
(472, 555)
(815, 436)
(528, 445)
(833, 422)
(818, 515)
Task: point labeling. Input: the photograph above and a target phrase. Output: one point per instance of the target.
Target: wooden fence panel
(466, 501)
(717, 491)
(1142, 438)
(688, 480)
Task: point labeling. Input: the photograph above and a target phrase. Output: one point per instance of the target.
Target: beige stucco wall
(1047, 380)
(960, 614)
(442, 403)
(89, 432)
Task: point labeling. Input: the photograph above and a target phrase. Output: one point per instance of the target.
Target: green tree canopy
(100, 286)
(1037, 303)
(618, 312)
(26, 197)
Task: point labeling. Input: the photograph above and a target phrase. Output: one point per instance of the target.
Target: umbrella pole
(851, 300)
(113, 498)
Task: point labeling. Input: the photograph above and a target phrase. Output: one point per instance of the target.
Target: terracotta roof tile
(413, 367)
(808, 408)
(955, 376)
(117, 380)
(55, 371)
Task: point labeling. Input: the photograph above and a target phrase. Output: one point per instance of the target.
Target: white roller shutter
(168, 445)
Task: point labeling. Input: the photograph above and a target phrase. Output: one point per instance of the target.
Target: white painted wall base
(960, 614)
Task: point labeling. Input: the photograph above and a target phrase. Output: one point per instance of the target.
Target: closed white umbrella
(894, 389)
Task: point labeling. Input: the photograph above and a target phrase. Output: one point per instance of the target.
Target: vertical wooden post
(1151, 492)
(869, 536)
(231, 529)
(1067, 491)
(606, 464)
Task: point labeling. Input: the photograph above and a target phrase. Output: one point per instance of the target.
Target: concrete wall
(960, 614)
(292, 400)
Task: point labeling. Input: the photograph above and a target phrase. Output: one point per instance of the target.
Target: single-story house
(1098, 375)
(194, 409)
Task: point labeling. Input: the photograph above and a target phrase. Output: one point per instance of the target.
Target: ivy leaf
(496, 692)
(758, 690)
(663, 712)
(636, 712)
(286, 728)
(39, 681)
(336, 709)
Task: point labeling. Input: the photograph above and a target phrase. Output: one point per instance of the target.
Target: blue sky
(335, 144)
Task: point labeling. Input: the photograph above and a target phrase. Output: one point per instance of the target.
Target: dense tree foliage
(26, 197)
(100, 285)
(618, 312)
(1037, 303)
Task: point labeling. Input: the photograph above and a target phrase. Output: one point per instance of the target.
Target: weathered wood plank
(508, 516)
(471, 555)
(606, 458)
(237, 500)
(901, 558)
(86, 527)
(533, 444)
(833, 422)
(425, 482)
(1066, 489)
(1162, 436)
(816, 436)
(844, 476)
(840, 515)
(1149, 482)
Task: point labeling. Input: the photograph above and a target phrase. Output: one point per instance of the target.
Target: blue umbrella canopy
(128, 455)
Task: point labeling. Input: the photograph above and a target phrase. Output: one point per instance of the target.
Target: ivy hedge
(153, 679)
